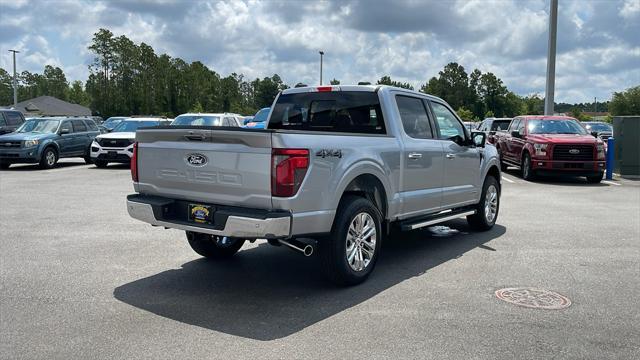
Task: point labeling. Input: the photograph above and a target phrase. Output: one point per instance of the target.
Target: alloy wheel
(361, 241)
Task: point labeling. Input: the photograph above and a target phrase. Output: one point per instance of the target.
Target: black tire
(88, 160)
(333, 249)
(214, 247)
(4, 166)
(527, 168)
(49, 158)
(100, 163)
(595, 179)
(503, 165)
(480, 221)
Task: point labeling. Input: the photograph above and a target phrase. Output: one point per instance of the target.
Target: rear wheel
(595, 179)
(503, 165)
(527, 168)
(212, 246)
(4, 166)
(350, 253)
(49, 158)
(488, 207)
(100, 163)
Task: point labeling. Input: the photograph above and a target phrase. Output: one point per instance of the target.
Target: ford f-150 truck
(541, 145)
(342, 165)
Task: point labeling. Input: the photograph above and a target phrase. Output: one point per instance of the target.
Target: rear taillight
(134, 163)
(288, 169)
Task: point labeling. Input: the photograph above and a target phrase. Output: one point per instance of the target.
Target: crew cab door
(66, 141)
(422, 159)
(517, 143)
(461, 162)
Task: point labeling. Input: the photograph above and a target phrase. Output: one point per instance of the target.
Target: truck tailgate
(205, 165)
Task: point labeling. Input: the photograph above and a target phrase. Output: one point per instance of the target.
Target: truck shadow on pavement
(268, 293)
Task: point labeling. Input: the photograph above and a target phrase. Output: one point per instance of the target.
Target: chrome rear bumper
(235, 226)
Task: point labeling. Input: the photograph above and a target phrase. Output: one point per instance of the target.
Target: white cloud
(363, 40)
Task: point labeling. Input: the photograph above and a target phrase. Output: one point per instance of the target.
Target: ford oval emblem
(196, 160)
(574, 151)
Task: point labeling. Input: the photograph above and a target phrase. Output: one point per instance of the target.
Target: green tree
(6, 88)
(196, 108)
(465, 114)
(386, 80)
(626, 102)
(452, 85)
(77, 95)
(335, 81)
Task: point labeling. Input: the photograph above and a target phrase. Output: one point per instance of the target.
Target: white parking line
(610, 183)
(508, 180)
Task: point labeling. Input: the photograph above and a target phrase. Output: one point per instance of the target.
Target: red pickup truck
(541, 145)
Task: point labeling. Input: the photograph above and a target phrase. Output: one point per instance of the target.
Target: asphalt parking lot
(80, 279)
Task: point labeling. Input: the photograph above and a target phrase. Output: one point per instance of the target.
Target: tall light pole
(321, 55)
(15, 79)
(551, 59)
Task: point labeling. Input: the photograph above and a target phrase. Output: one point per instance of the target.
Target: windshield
(39, 126)
(499, 125)
(132, 126)
(537, 126)
(111, 123)
(197, 120)
(599, 127)
(261, 116)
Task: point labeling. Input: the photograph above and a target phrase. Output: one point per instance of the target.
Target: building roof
(50, 106)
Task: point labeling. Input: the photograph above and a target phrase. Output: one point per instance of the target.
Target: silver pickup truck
(336, 170)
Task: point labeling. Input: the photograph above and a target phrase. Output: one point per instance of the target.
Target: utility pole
(15, 79)
(551, 59)
(321, 55)
(595, 105)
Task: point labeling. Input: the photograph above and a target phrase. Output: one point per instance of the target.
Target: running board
(435, 220)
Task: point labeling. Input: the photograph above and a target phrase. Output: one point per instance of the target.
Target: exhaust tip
(308, 250)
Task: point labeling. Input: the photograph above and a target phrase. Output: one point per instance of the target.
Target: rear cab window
(356, 112)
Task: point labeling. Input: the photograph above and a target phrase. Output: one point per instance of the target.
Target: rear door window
(334, 111)
(13, 118)
(3, 122)
(414, 117)
(91, 125)
(79, 126)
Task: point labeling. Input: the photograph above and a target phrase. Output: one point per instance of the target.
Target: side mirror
(479, 138)
(65, 131)
(515, 133)
(594, 134)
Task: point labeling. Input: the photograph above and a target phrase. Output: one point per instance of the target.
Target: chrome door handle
(415, 156)
(450, 156)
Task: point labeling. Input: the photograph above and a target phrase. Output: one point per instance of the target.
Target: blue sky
(598, 41)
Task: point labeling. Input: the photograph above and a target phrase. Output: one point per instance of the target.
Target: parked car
(10, 120)
(117, 146)
(551, 145)
(491, 125)
(111, 123)
(222, 119)
(46, 140)
(599, 129)
(341, 164)
(259, 120)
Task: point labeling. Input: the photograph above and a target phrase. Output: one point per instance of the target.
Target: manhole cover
(534, 298)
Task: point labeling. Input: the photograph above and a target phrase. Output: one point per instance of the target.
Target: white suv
(117, 145)
(205, 119)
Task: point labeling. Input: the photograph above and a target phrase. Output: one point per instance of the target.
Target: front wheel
(488, 207)
(212, 246)
(100, 163)
(595, 179)
(87, 160)
(527, 168)
(350, 253)
(49, 158)
(4, 166)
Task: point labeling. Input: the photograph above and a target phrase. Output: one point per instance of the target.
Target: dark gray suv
(10, 120)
